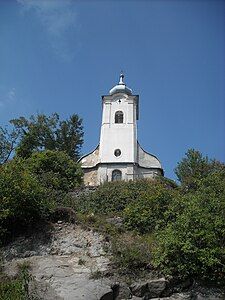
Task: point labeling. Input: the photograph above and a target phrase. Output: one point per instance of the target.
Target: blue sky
(61, 56)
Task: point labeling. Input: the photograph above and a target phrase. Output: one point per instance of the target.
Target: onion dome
(120, 87)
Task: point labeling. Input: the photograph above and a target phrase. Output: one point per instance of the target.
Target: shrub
(109, 197)
(147, 212)
(12, 289)
(18, 287)
(22, 199)
(113, 197)
(55, 170)
(193, 240)
(131, 253)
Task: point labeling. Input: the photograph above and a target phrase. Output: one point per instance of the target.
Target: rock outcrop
(66, 266)
(69, 262)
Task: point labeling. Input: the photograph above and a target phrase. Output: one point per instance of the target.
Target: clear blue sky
(62, 56)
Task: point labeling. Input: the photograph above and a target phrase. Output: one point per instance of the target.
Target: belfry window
(116, 175)
(119, 117)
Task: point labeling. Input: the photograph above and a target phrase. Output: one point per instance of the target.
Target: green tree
(23, 200)
(195, 167)
(8, 141)
(41, 132)
(55, 170)
(193, 241)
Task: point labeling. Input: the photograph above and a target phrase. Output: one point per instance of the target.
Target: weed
(81, 262)
(96, 275)
(131, 253)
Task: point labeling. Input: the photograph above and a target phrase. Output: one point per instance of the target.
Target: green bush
(113, 197)
(146, 213)
(193, 240)
(23, 200)
(17, 288)
(55, 170)
(131, 253)
(12, 289)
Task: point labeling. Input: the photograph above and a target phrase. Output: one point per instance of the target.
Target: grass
(17, 287)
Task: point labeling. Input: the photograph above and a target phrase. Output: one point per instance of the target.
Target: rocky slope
(62, 262)
(67, 262)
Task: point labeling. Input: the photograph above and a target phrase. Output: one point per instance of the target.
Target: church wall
(91, 177)
(147, 160)
(114, 140)
(90, 160)
(118, 136)
(147, 173)
(105, 172)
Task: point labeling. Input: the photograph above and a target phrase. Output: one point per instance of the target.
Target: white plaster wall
(146, 173)
(147, 160)
(105, 172)
(118, 136)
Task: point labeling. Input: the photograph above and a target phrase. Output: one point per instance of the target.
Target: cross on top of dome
(121, 78)
(121, 87)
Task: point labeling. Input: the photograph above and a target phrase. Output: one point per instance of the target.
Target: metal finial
(121, 78)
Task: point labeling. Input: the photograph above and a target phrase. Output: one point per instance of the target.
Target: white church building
(119, 155)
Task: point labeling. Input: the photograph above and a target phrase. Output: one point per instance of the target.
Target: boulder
(121, 291)
(139, 289)
(149, 289)
(156, 287)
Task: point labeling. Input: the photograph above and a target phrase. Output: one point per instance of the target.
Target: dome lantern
(121, 87)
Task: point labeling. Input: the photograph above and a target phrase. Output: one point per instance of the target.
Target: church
(119, 156)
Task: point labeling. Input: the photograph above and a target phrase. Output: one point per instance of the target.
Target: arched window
(116, 175)
(119, 117)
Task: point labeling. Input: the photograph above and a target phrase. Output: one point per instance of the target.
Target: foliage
(186, 224)
(179, 230)
(146, 213)
(12, 289)
(17, 288)
(113, 197)
(131, 253)
(23, 200)
(8, 140)
(41, 132)
(99, 223)
(193, 240)
(97, 274)
(55, 170)
(195, 167)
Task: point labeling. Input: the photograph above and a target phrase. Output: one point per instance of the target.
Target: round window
(117, 152)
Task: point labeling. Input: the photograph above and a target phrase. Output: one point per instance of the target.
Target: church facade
(119, 155)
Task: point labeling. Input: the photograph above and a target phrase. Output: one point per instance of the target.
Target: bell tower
(119, 155)
(118, 137)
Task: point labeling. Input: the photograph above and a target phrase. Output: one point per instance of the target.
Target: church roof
(121, 87)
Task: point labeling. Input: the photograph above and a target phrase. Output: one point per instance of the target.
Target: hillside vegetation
(153, 226)
(175, 229)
